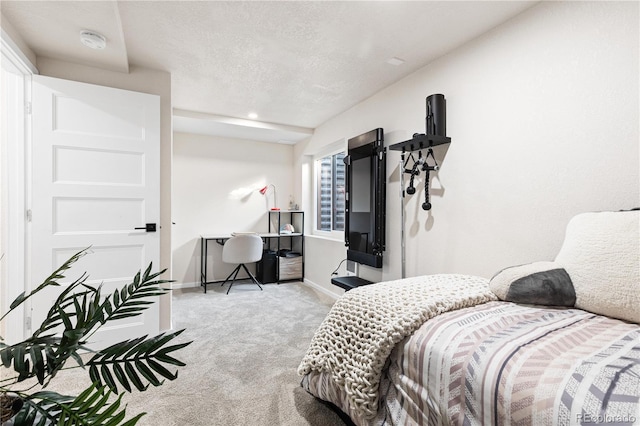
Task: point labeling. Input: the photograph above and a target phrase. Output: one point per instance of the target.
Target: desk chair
(242, 249)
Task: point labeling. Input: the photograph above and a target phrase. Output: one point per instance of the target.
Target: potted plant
(77, 313)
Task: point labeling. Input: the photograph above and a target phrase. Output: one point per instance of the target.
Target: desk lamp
(263, 191)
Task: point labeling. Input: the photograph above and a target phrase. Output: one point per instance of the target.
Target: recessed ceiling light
(93, 39)
(253, 115)
(395, 61)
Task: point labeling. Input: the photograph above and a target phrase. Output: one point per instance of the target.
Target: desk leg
(203, 263)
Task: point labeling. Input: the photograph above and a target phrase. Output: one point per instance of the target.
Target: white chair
(242, 249)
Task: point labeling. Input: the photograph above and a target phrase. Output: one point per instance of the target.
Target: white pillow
(601, 253)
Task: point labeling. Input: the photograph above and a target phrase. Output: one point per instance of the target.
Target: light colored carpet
(241, 367)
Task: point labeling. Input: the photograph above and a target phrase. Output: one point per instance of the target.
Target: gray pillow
(539, 283)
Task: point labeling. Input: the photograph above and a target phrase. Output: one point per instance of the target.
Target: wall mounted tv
(365, 198)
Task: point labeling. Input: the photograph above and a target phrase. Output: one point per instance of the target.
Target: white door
(96, 177)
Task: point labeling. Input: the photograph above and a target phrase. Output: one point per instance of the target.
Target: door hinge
(27, 324)
(27, 108)
(29, 215)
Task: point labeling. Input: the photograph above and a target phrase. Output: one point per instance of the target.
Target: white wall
(22, 49)
(544, 119)
(215, 190)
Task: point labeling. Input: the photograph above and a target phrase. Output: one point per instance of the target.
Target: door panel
(96, 177)
(79, 165)
(127, 122)
(99, 215)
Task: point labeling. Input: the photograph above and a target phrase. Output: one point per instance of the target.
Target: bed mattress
(504, 363)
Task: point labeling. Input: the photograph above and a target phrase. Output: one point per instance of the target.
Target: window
(330, 190)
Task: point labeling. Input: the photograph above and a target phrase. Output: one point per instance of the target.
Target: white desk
(220, 239)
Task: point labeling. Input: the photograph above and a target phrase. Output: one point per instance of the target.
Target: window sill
(325, 237)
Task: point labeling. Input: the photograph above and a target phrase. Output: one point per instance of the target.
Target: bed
(546, 343)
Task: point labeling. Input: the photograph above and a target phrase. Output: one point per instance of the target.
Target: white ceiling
(294, 63)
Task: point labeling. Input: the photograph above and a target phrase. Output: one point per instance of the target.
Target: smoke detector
(93, 39)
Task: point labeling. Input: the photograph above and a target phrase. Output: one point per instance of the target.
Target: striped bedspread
(507, 364)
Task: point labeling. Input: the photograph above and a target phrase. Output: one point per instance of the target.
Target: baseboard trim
(323, 290)
(307, 282)
(177, 286)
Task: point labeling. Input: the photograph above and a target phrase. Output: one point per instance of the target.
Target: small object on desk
(233, 234)
(287, 229)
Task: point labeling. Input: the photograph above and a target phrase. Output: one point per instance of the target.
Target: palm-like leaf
(126, 362)
(91, 407)
(52, 280)
(43, 356)
(76, 314)
(67, 299)
(80, 313)
(132, 299)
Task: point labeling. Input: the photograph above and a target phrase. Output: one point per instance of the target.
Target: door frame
(15, 195)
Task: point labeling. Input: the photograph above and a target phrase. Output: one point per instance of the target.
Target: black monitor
(365, 198)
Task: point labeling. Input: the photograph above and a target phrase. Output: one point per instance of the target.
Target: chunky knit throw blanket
(361, 329)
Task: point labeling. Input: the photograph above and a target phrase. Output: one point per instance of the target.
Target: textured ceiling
(296, 63)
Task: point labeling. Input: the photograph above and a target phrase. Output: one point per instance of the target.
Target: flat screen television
(365, 198)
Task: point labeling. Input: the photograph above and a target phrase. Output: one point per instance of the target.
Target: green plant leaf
(18, 300)
(121, 376)
(66, 320)
(77, 312)
(116, 298)
(108, 378)
(64, 301)
(160, 369)
(162, 355)
(6, 355)
(91, 407)
(51, 359)
(134, 420)
(116, 419)
(161, 341)
(94, 375)
(78, 359)
(49, 281)
(147, 373)
(108, 412)
(87, 397)
(101, 402)
(25, 417)
(126, 303)
(133, 376)
(41, 403)
(131, 359)
(35, 353)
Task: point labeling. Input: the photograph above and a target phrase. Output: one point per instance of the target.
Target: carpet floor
(241, 366)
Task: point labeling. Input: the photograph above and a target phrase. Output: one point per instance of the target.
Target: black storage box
(266, 267)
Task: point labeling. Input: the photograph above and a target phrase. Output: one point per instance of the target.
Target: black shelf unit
(288, 268)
